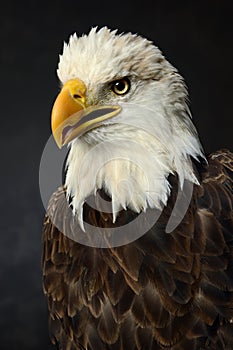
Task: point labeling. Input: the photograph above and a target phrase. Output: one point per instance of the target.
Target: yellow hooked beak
(70, 115)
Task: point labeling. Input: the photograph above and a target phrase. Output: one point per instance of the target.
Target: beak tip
(57, 141)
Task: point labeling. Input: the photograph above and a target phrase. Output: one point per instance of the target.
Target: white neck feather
(133, 172)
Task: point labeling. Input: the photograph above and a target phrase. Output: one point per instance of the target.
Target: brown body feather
(162, 291)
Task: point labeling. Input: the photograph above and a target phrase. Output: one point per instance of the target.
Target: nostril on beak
(77, 96)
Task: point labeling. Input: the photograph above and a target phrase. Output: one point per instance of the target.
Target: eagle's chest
(141, 291)
(145, 284)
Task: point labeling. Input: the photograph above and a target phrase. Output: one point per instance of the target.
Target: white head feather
(131, 155)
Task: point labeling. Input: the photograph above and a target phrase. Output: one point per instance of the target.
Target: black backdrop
(196, 36)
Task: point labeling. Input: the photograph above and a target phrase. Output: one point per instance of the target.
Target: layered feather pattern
(163, 291)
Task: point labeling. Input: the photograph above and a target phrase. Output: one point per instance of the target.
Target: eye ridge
(121, 86)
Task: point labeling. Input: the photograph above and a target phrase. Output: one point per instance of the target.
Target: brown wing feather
(214, 220)
(163, 290)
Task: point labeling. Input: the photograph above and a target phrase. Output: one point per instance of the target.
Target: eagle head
(123, 112)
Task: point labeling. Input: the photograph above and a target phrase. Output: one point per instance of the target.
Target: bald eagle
(126, 263)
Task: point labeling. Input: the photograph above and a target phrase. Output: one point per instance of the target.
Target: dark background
(196, 36)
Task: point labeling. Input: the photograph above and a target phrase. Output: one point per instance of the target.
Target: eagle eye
(121, 86)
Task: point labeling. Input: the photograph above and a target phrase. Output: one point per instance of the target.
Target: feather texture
(172, 291)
